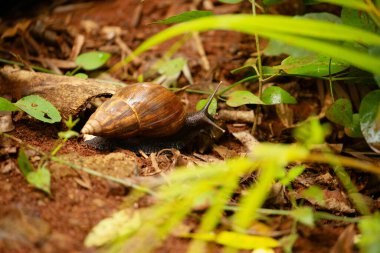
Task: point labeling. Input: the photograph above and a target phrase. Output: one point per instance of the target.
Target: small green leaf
(275, 48)
(70, 123)
(23, 163)
(244, 241)
(212, 108)
(172, 67)
(287, 242)
(6, 105)
(340, 112)
(354, 130)
(276, 95)
(269, 70)
(322, 16)
(311, 132)
(81, 75)
(315, 193)
(39, 108)
(68, 134)
(92, 60)
(312, 65)
(170, 70)
(40, 179)
(185, 16)
(292, 174)
(370, 119)
(238, 98)
(304, 215)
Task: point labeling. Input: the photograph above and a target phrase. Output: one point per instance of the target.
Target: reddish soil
(31, 221)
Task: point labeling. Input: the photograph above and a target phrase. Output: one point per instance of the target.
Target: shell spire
(91, 127)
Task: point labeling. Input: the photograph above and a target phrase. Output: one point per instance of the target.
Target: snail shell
(142, 109)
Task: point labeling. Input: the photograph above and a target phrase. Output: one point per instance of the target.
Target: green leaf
(243, 241)
(23, 163)
(375, 51)
(92, 60)
(377, 79)
(314, 192)
(304, 215)
(311, 132)
(370, 119)
(358, 19)
(292, 174)
(312, 65)
(355, 4)
(185, 16)
(231, 1)
(241, 97)
(269, 71)
(70, 123)
(370, 229)
(322, 16)
(276, 47)
(354, 130)
(287, 242)
(170, 70)
(317, 36)
(276, 95)
(39, 108)
(67, 134)
(81, 75)
(212, 108)
(40, 179)
(172, 67)
(340, 112)
(6, 105)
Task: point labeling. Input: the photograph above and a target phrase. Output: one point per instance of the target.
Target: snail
(147, 116)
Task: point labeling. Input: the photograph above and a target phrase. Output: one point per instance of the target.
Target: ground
(32, 221)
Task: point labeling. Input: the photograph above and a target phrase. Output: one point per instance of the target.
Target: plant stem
(330, 83)
(257, 42)
(318, 214)
(344, 161)
(260, 68)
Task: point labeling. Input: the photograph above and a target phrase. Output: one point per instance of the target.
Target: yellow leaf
(122, 223)
(243, 241)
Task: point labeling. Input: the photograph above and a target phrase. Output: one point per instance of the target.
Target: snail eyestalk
(204, 111)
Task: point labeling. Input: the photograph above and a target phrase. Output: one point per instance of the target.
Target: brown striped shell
(142, 109)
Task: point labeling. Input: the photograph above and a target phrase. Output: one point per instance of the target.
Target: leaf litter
(80, 201)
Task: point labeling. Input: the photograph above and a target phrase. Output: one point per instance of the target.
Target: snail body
(147, 111)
